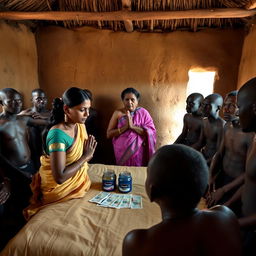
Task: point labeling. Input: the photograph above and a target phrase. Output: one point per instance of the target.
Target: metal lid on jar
(125, 174)
(109, 173)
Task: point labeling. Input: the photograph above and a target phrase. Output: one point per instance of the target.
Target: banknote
(99, 197)
(136, 202)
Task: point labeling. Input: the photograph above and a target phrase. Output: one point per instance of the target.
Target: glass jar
(109, 180)
(125, 182)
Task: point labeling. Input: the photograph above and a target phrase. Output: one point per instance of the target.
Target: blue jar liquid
(125, 182)
(109, 181)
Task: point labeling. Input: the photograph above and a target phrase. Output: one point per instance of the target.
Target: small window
(201, 81)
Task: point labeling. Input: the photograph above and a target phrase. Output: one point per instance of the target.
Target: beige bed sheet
(78, 227)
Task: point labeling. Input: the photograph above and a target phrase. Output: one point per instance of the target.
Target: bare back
(208, 233)
(14, 140)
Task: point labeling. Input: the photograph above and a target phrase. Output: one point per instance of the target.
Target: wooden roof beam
(124, 15)
(127, 6)
(251, 5)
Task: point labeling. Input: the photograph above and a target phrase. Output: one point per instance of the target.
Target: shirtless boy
(228, 164)
(192, 121)
(211, 134)
(177, 177)
(247, 114)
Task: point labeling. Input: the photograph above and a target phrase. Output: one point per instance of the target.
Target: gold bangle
(119, 130)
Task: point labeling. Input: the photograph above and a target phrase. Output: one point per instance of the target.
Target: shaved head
(11, 100)
(4, 93)
(197, 96)
(179, 173)
(246, 101)
(37, 92)
(194, 101)
(215, 98)
(249, 88)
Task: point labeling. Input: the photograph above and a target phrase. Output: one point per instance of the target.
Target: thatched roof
(136, 6)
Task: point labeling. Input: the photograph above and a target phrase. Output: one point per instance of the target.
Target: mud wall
(247, 69)
(156, 64)
(18, 61)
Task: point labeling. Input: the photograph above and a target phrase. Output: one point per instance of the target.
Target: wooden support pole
(127, 6)
(124, 15)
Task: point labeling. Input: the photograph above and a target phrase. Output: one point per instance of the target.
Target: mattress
(78, 227)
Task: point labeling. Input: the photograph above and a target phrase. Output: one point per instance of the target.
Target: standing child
(228, 164)
(192, 121)
(211, 134)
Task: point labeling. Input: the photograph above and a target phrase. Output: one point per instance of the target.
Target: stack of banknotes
(118, 201)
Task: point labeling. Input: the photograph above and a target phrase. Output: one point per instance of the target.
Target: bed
(78, 227)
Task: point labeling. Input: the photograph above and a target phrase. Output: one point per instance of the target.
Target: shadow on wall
(105, 107)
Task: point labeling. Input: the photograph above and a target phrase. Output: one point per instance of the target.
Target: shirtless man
(228, 164)
(177, 177)
(14, 147)
(247, 114)
(39, 105)
(211, 134)
(192, 121)
(37, 111)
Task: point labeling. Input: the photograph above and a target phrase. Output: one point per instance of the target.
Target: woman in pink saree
(132, 131)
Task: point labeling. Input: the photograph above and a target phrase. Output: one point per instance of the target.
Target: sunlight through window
(201, 82)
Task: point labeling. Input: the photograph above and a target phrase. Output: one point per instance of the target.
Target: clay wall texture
(18, 61)
(155, 64)
(106, 62)
(247, 68)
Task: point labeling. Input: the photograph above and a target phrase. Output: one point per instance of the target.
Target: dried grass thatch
(136, 5)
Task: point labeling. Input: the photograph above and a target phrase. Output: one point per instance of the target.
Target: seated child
(177, 177)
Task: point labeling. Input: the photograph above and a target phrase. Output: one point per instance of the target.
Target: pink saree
(132, 149)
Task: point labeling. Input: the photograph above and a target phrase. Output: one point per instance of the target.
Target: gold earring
(65, 118)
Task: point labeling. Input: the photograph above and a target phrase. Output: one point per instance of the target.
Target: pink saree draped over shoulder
(132, 149)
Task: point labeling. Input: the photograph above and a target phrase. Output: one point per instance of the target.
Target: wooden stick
(251, 5)
(125, 15)
(127, 6)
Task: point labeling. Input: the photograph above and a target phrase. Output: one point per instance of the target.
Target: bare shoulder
(26, 111)
(186, 117)
(220, 233)
(118, 113)
(134, 241)
(222, 216)
(220, 211)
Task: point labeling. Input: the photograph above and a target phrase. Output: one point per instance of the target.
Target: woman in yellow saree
(63, 172)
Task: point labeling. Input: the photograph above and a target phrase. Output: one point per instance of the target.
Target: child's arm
(235, 197)
(183, 135)
(202, 140)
